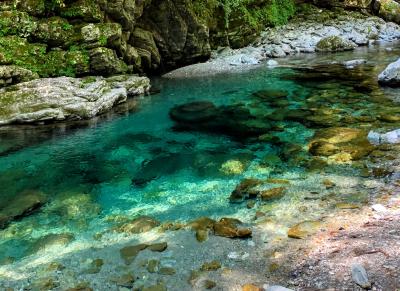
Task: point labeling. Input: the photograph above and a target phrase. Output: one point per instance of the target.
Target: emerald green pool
(134, 161)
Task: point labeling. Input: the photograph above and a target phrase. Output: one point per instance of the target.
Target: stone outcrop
(391, 75)
(54, 99)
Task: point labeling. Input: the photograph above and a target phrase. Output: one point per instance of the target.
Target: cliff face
(72, 38)
(80, 37)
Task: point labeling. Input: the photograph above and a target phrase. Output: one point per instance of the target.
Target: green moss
(88, 10)
(242, 20)
(34, 57)
(16, 23)
(255, 13)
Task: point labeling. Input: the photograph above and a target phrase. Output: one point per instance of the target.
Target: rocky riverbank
(313, 30)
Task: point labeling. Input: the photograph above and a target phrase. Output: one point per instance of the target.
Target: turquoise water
(135, 161)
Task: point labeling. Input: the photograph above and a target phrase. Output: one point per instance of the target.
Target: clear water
(86, 169)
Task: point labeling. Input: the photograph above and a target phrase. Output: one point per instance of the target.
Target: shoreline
(280, 43)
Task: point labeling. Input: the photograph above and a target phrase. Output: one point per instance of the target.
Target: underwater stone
(230, 227)
(272, 194)
(211, 266)
(158, 287)
(24, 204)
(129, 253)
(139, 225)
(208, 284)
(251, 287)
(153, 266)
(167, 271)
(158, 247)
(340, 140)
(49, 241)
(303, 229)
(245, 190)
(201, 235)
(198, 111)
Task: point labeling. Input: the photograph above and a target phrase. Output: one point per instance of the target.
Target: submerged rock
(339, 141)
(55, 99)
(229, 227)
(245, 190)
(24, 204)
(272, 194)
(391, 75)
(234, 120)
(139, 225)
(303, 229)
(129, 253)
(51, 240)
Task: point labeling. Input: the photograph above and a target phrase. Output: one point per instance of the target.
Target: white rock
(233, 255)
(379, 208)
(277, 288)
(62, 98)
(359, 275)
(391, 137)
(353, 63)
(272, 63)
(391, 75)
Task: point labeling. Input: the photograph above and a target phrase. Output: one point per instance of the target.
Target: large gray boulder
(391, 75)
(335, 44)
(54, 99)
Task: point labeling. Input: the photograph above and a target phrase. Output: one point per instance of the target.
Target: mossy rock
(56, 32)
(16, 23)
(104, 61)
(334, 44)
(101, 34)
(390, 10)
(34, 57)
(86, 10)
(32, 7)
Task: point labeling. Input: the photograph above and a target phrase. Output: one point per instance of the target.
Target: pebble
(233, 255)
(359, 275)
(277, 288)
(379, 208)
(272, 63)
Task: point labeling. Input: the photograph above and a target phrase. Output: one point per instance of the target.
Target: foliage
(255, 13)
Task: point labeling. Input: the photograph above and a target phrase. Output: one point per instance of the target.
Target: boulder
(49, 241)
(231, 228)
(245, 190)
(10, 75)
(334, 44)
(391, 75)
(341, 141)
(66, 98)
(139, 225)
(388, 10)
(303, 229)
(104, 61)
(23, 205)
